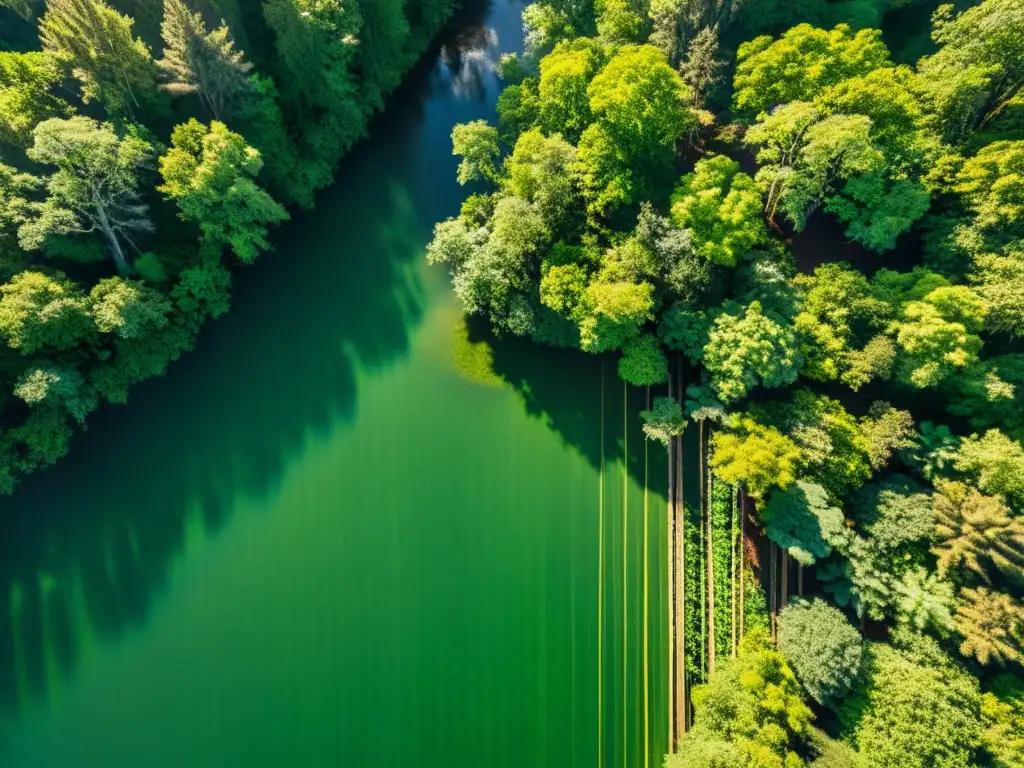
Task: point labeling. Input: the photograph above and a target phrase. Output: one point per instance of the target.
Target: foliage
(747, 347)
(209, 171)
(976, 534)
(750, 712)
(96, 43)
(801, 63)
(196, 60)
(643, 363)
(664, 421)
(757, 457)
(906, 714)
(991, 625)
(822, 647)
(94, 189)
(721, 208)
(800, 520)
(996, 461)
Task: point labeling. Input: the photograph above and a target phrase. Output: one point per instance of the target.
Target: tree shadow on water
(86, 546)
(568, 390)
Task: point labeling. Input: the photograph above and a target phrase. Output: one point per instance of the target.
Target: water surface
(317, 542)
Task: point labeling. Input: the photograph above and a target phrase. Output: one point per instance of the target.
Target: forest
(815, 210)
(147, 148)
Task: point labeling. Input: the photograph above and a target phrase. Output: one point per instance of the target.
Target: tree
(801, 63)
(58, 386)
(564, 76)
(1002, 713)
(664, 421)
(14, 209)
(749, 713)
(542, 171)
(992, 184)
(721, 207)
(748, 347)
(976, 534)
(202, 62)
(618, 23)
(804, 155)
(477, 143)
(39, 312)
(800, 520)
(210, 172)
(643, 363)
(938, 335)
(977, 68)
(128, 308)
(991, 625)
(95, 42)
(26, 97)
(822, 647)
(640, 103)
(887, 430)
(612, 314)
(700, 68)
(95, 186)
(904, 714)
(758, 457)
(997, 463)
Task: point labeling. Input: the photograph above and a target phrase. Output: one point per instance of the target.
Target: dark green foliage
(822, 647)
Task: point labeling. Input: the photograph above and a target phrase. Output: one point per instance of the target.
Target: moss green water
(318, 542)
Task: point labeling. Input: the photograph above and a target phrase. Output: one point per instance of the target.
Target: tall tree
(199, 61)
(26, 95)
(95, 187)
(97, 44)
(992, 626)
(211, 173)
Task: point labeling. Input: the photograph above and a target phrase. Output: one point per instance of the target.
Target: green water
(316, 542)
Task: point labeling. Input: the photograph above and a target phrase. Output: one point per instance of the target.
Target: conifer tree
(97, 44)
(199, 61)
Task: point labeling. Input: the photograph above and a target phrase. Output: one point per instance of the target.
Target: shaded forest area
(825, 220)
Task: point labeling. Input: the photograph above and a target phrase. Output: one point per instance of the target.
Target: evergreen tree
(202, 62)
(96, 43)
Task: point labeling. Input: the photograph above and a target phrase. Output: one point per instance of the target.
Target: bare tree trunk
(743, 574)
(773, 597)
(800, 579)
(710, 555)
(785, 578)
(123, 267)
(682, 703)
(733, 539)
(672, 586)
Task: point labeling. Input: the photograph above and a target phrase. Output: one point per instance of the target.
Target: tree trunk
(672, 585)
(743, 575)
(682, 703)
(733, 539)
(785, 579)
(773, 594)
(800, 579)
(123, 267)
(711, 558)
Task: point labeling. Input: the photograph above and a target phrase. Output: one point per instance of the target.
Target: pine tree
(97, 44)
(977, 532)
(991, 625)
(202, 62)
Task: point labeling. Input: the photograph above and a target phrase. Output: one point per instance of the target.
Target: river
(319, 542)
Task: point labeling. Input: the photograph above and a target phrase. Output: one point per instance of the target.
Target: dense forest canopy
(146, 147)
(650, 167)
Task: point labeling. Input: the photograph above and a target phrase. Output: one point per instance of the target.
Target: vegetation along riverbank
(829, 234)
(146, 148)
